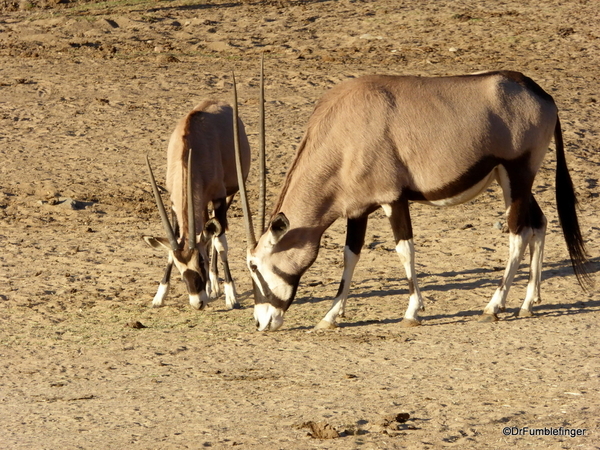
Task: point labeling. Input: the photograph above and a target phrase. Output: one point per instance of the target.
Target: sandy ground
(86, 90)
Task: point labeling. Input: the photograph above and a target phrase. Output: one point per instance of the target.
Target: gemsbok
(384, 141)
(201, 170)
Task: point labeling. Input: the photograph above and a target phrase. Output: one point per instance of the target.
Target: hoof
(524, 313)
(325, 325)
(214, 294)
(409, 323)
(235, 305)
(156, 305)
(198, 306)
(488, 318)
(502, 309)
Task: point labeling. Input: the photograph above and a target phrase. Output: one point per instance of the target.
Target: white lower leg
(536, 249)
(517, 245)
(230, 295)
(339, 302)
(163, 287)
(406, 252)
(161, 294)
(214, 289)
(220, 244)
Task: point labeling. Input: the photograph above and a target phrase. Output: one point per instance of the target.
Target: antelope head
(275, 274)
(189, 255)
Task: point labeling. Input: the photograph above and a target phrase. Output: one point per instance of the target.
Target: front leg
(220, 245)
(163, 287)
(214, 290)
(355, 239)
(399, 215)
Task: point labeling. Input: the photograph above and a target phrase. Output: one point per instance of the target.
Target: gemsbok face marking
(384, 141)
(201, 170)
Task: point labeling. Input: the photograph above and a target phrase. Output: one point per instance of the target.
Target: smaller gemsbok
(201, 170)
(383, 141)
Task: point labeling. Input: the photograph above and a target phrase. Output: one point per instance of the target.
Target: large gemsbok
(384, 141)
(201, 170)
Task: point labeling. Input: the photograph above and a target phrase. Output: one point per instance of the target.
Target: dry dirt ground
(87, 89)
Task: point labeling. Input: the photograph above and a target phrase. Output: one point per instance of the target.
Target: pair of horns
(251, 238)
(163, 214)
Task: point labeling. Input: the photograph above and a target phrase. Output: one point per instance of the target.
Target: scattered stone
(566, 31)
(66, 202)
(135, 324)
(164, 58)
(353, 430)
(392, 420)
(501, 226)
(320, 430)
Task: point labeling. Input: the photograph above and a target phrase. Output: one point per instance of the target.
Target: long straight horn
(190, 205)
(161, 210)
(262, 154)
(240, 176)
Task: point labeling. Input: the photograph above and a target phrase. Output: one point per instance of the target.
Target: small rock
(164, 58)
(392, 419)
(66, 202)
(135, 324)
(320, 430)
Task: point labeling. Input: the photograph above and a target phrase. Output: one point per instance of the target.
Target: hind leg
(522, 209)
(536, 250)
(355, 238)
(517, 245)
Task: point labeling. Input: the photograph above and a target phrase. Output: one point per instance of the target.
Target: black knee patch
(400, 220)
(355, 234)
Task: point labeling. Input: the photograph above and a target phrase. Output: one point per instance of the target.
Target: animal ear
(155, 242)
(212, 228)
(280, 225)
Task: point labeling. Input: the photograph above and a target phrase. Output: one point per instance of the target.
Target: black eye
(253, 267)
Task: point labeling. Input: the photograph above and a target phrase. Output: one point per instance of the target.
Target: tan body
(386, 136)
(383, 141)
(207, 131)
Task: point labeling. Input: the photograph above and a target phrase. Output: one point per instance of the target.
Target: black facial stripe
(288, 278)
(269, 296)
(194, 282)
